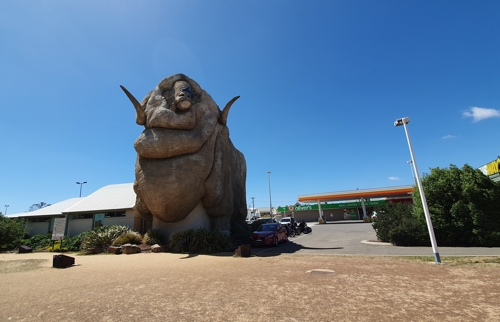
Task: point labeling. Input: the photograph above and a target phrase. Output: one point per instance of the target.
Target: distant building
(264, 211)
(342, 205)
(253, 213)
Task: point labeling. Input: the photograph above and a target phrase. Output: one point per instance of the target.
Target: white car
(285, 220)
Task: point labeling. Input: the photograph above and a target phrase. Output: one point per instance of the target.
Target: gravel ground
(180, 287)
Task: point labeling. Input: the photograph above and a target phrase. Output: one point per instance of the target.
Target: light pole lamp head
(401, 121)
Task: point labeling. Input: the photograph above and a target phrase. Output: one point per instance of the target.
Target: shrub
(410, 232)
(74, 243)
(99, 239)
(130, 237)
(37, 242)
(396, 224)
(154, 236)
(57, 247)
(200, 241)
(12, 230)
(180, 242)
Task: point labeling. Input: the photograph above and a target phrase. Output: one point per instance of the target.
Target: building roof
(112, 197)
(400, 191)
(52, 210)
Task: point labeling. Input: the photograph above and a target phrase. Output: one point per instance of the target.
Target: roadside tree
(464, 205)
(12, 230)
(37, 206)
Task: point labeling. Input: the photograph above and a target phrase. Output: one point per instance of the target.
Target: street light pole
(253, 207)
(270, 202)
(403, 121)
(6, 206)
(81, 184)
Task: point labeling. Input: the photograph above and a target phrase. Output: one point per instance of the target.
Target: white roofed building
(41, 221)
(110, 205)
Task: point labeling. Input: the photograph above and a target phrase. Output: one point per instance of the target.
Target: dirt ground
(177, 287)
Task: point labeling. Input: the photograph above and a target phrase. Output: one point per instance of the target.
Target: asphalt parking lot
(353, 238)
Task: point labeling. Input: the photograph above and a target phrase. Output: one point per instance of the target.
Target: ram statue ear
(140, 117)
(225, 111)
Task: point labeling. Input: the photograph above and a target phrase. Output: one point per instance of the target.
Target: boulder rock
(114, 250)
(159, 249)
(130, 249)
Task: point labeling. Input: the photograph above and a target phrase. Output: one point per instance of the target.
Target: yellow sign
(492, 167)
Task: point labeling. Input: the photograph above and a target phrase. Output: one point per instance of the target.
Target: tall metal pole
(253, 207)
(81, 184)
(6, 206)
(422, 196)
(270, 202)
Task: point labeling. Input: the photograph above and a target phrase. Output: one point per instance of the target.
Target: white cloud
(449, 136)
(481, 113)
(393, 178)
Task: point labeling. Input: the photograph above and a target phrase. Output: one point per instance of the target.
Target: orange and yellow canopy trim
(401, 191)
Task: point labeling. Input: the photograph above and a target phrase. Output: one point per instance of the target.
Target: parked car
(269, 234)
(285, 220)
(267, 220)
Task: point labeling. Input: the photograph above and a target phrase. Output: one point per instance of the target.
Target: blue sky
(321, 83)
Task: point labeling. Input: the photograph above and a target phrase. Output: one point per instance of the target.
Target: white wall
(196, 219)
(128, 220)
(37, 228)
(78, 226)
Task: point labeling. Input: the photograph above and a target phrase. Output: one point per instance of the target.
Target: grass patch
(23, 265)
(479, 261)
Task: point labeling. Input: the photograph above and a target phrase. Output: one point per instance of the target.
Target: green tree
(464, 205)
(12, 230)
(37, 206)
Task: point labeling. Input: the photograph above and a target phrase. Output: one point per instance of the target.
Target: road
(349, 238)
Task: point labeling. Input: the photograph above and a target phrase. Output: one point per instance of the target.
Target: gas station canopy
(390, 192)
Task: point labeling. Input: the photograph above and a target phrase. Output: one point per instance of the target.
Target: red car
(269, 234)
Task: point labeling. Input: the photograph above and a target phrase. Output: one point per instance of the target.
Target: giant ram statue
(185, 160)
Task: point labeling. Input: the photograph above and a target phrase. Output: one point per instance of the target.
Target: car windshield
(267, 227)
(285, 220)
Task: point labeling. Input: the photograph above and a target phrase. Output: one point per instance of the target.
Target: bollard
(244, 250)
(24, 249)
(62, 261)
